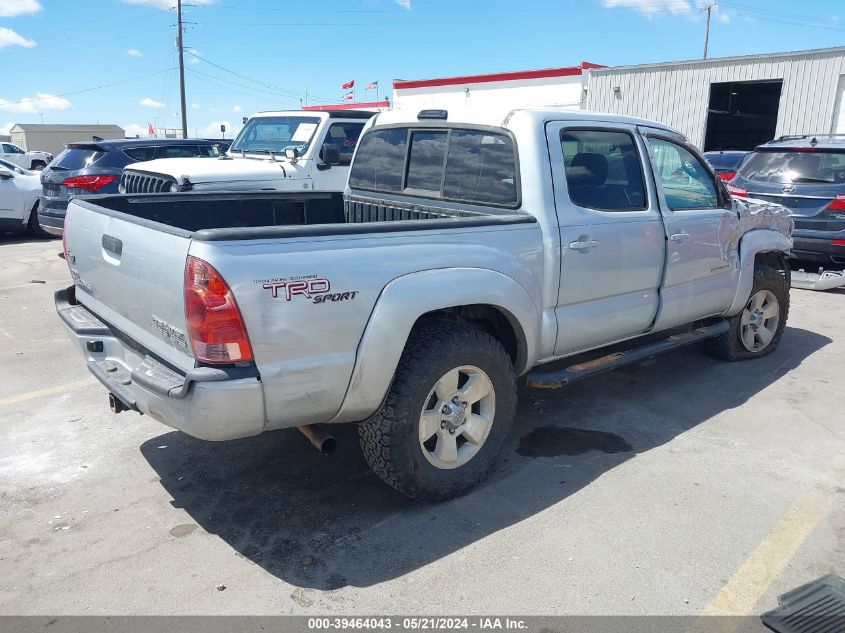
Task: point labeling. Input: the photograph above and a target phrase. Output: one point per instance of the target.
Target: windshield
(12, 167)
(796, 167)
(275, 133)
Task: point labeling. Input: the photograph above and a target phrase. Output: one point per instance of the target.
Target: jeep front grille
(140, 182)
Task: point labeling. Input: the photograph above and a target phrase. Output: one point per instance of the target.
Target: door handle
(679, 237)
(585, 245)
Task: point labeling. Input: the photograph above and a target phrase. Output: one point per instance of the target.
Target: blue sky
(249, 55)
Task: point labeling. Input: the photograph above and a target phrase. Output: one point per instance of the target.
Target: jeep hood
(211, 170)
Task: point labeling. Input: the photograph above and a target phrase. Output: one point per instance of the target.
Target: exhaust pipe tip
(319, 437)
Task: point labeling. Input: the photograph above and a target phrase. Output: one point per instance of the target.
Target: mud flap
(812, 608)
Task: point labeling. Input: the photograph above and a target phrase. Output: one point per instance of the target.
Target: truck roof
(498, 116)
(331, 114)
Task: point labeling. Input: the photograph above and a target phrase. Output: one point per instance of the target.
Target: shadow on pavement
(325, 523)
(20, 237)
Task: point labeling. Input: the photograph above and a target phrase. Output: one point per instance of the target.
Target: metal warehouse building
(731, 102)
(53, 138)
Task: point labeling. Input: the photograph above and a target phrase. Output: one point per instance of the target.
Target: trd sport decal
(317, 289)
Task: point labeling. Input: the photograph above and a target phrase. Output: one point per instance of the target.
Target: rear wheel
(448, 411)
(34, 228)
(757, 330)
(38, 165)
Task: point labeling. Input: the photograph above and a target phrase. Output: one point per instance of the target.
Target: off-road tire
(390, 439)
(35, 229)
(729, 346)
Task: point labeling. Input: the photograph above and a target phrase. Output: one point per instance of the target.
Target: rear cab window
(469, 165)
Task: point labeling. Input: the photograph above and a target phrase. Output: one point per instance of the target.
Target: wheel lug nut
(455, 400)
(443, 424)
(451, 431)
(445, 409)
(463, 405)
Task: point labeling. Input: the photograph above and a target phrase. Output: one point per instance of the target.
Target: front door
(700, 277)
(611, 234)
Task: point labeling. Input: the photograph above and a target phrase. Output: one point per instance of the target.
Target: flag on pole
(373, 85)
(349, 96)
(151, 131)
(348, 85)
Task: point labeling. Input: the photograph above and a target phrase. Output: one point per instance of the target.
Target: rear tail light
(88, 183)
(727, 175)
(737, 191)
(838, 243)
(215, 326)
(837, 204)
(64, 242)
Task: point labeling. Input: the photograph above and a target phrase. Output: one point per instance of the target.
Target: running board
(568, 375)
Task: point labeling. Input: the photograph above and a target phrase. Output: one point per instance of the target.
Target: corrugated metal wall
(678, 94)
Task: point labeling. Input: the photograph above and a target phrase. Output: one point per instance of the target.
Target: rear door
(611, 233)
(131, 275)
(700, 225)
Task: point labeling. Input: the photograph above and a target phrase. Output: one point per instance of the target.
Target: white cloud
(41, 102)
(212, 130)
(11, 8)
(721, 15)
(9, 38)
(6, 128)
(134, 52)
(150, 103)
(133, 129)
(196, 106)
(650, 7)
(405, 4)
(237, 108)
(164, 5)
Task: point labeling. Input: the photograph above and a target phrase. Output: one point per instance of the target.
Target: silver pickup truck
(467, 250)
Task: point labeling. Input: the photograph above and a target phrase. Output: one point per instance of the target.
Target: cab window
(687, 183)
(603, 170)
(345, 137)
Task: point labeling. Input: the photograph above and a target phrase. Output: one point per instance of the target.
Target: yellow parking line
(47, 391)
(754, 577)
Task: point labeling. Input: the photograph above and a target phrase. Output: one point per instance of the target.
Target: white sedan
(11, 153)
(19, 192)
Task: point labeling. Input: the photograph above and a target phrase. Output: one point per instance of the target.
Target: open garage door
(742, 114)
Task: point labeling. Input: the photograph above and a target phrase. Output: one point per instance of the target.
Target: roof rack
(798, 137)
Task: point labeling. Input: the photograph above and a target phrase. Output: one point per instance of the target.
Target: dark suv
(94, 167)
(807, 175)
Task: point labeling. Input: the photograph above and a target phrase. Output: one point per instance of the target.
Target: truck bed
(244, 216)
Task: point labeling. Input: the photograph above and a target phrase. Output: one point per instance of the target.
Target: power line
(76, 92)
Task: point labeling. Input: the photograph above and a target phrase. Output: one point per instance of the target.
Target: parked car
(726, 163)
(19, 190)
(93, 167)
(806, 174)
(28, 160)
(287, 151)
(468, 249)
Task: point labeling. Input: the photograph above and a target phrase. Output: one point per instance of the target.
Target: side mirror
(5, 174)
(292, 154)
(330, 155)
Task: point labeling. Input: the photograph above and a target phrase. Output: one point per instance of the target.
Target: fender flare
(404, 300)
(752, 244)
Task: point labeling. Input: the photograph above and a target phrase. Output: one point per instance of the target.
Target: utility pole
(709, 9)
(182, 67)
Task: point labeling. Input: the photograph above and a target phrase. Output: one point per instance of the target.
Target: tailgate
(131, 275)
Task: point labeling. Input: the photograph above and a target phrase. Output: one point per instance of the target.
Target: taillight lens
(838, 204)
(215, 326)
(727, 175)
(736, 191)
(88, 183)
